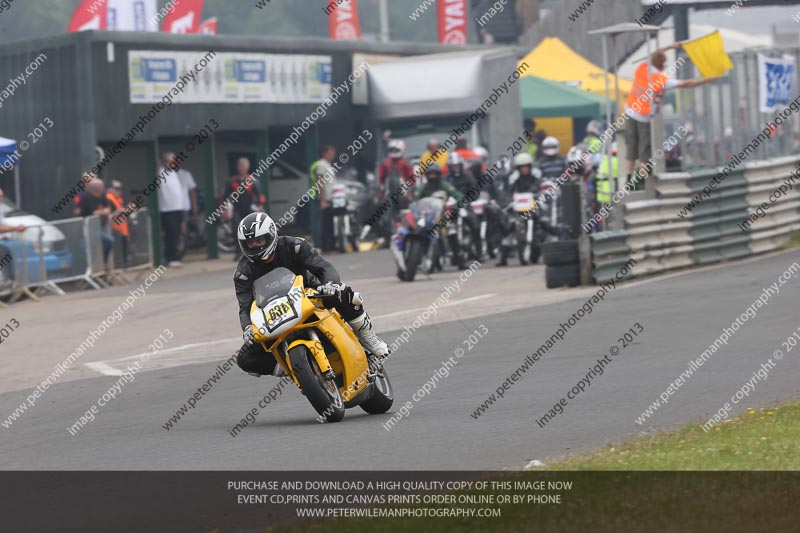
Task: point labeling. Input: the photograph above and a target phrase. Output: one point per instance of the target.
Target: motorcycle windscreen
(273, 285)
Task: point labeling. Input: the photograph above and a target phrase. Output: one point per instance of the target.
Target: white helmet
(550, 146)
(483, 153)
(575, 154)
(593, 128)
(254, 226)
(397, 148)
(522, 159)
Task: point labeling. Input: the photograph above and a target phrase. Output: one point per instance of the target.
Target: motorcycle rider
(433, 184)
(527, 180)
(264, 250)
(550, 162)
(395, 175)
(465, 182)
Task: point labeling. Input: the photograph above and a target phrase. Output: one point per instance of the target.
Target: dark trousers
(171, 226)
(6, 263)
(326, 229)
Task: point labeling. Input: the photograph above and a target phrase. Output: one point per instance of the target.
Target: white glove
(248, 335)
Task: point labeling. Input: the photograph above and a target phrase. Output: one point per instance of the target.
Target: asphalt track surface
(681, 315)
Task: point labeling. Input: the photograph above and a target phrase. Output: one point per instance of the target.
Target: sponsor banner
(234, 78)
(184, 17)
(89, 15)
(209, 26)
(775, 81)
(452, 21)
(343, 22)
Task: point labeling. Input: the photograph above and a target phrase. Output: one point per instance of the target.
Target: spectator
(93, 201)
(531, 146)
(5, 254)
(190, 202)
(432, 155)
(171, 203)
(243, 192)
(321, 175)
(486, 37)
(120, 226)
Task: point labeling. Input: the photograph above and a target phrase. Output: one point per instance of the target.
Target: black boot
(503, 256)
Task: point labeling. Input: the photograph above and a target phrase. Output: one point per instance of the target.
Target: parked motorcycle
(316, 348)
(417, 240)
(345, 217)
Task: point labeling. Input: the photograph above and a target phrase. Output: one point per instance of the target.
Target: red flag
(343, 21)
(452, 21)
(209, 26)
(90, 15)
(184, 18)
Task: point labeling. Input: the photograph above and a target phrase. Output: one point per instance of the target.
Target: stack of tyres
(563, 264)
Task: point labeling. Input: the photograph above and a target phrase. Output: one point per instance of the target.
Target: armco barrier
(660, 240)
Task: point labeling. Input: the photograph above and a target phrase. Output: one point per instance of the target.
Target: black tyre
(382, 397)
(413, 257)
(321, 393)
(561, 252)
(562, 275)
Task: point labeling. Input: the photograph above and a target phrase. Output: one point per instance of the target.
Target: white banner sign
(233, 78)
(132, 15)
(775, 81)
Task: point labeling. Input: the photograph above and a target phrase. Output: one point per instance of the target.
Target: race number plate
(279, 312)
(523, 202)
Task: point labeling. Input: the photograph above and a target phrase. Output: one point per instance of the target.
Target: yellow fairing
(348, 360)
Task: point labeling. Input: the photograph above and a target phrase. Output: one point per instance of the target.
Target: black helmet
(434, 171)
(255, 226)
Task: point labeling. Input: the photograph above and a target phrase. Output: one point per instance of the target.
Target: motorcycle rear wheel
(322, 394)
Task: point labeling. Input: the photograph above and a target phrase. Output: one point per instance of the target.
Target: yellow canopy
(556, 61)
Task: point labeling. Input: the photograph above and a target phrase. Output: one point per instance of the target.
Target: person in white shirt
(172, 202)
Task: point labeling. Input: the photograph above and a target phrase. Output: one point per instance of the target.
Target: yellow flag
(708, 55)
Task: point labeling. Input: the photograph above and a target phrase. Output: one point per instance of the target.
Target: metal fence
(73, 250)
(722, 118)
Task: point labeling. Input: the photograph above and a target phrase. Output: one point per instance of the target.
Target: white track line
(406, 311)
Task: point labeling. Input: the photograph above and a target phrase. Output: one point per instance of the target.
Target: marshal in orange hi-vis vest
(644, 92)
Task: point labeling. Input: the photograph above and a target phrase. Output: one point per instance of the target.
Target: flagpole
(384, 14)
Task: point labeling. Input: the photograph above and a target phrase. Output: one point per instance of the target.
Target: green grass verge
(758, 439)
(741, 489)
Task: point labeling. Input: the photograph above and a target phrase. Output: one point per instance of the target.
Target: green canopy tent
(543, 98)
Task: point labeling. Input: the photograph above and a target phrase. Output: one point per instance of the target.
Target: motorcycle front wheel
(323, 394)
(413, 251)
(382, 396)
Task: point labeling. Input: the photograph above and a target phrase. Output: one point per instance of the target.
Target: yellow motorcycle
(316, 348)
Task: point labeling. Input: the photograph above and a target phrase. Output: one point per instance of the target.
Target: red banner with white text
(89, 15)
(452, 21)
(184, 18)
(343, 21)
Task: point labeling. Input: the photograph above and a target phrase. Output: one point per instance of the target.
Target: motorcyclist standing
(551, 163)
(265, 251)
(393, 175)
